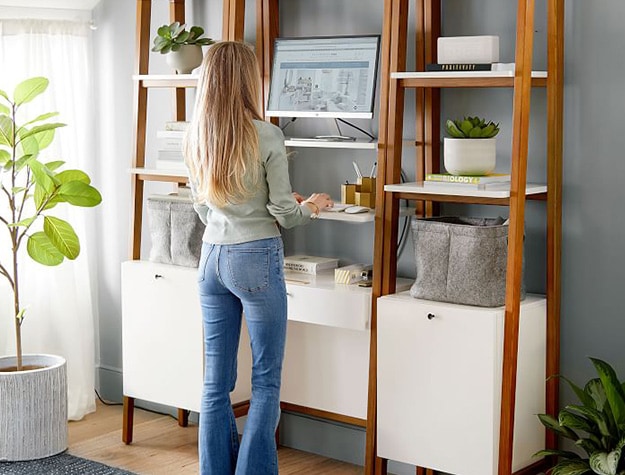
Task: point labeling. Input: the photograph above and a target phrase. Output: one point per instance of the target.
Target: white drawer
(439, 384)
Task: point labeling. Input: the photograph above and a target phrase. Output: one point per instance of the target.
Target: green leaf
(5, 95)
(30, 146)
(27, 90)
(475, 132)
(42, 176)
(6, 131)
(72, 175)
(560, 453)
(571, 467)
(38, 129)
(597, 417)
(40, 197)
(5, 109)
(41, 117)
(453, 130)
(21, 162)
(196, 31)
(605, 463)
(62, 236)
(588, 445)
(164, 31)
(573, 421)
(182, 38)
(613, 390)
(24, 222)
(584, 397)
(466, 126)
(79, 193)
(41, 250)
(551, 423)
(54, 165)
(5, 156)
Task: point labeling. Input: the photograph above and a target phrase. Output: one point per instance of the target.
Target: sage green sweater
(272, 203)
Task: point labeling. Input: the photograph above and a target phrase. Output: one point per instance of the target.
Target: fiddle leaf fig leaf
(6, 131)
(27, 90)
(62, 236)
(41, 250)
(72, 175)
(79, 193)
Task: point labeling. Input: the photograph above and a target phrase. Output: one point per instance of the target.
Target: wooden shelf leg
(183, 417)
(128, 419)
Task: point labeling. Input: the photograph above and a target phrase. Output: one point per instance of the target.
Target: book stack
(437, 180)
(309, 264)
(169, 153)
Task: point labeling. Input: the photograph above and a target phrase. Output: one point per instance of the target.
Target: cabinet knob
(158, 276)
(431, 316)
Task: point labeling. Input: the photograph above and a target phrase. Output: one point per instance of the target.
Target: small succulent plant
(471, 128)
(172, 37)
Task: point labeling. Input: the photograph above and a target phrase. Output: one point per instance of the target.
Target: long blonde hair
(221, 145)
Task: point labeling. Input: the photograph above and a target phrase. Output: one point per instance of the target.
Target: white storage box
(468, 49)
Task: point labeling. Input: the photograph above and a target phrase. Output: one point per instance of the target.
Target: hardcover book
(459, 67)
(447, 178)
(309, 264)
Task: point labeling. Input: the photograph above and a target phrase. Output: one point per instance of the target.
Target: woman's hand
(299, 198)
(318, 202)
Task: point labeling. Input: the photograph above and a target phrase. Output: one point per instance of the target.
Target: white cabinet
(162, 337)
(439, 384)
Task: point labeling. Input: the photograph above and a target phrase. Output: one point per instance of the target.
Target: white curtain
(60, 301)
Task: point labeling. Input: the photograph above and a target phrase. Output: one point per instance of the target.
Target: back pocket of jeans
(249, 268)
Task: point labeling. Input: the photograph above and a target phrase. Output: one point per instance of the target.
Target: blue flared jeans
(235, 281)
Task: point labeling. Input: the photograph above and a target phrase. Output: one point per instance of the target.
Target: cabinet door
(439, 383)
(162, 337)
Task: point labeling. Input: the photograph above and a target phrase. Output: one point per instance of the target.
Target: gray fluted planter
(33, 408)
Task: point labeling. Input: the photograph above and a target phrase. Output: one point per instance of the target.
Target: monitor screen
(324, 77)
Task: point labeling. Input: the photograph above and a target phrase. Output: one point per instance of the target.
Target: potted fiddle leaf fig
(596, 425)
(183, 47)
(33, 405)
(471, 146)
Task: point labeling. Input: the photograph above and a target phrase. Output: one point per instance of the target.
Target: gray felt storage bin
(175, 230)
(461, 260)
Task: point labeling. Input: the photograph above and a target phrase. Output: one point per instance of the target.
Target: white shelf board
(349, 218)
(493, 190)
(159, 172)
(361, 217)
(459, 75)
(312, 143)
(165, 77)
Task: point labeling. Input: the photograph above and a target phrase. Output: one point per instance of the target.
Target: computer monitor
(324, 77)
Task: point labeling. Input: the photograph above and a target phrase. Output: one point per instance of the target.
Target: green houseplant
(471, 148)
(183, 47)
(30, 191)
(596, 425)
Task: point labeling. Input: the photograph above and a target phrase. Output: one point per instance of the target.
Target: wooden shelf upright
(393, 85)
(233, 21)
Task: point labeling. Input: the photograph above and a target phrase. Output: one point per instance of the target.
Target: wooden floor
(161, 447)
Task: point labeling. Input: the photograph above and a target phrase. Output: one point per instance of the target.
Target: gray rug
(62, 464)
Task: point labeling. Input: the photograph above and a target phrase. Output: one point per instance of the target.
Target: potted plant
(183, 47)
(471, 146)
(596, 425)
(33, 388)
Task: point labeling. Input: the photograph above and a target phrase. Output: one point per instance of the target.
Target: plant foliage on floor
(30, 190)
(596, 425)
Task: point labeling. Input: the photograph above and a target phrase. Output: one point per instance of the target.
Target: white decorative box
(468, 49)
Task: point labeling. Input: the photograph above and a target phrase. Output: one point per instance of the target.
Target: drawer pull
(158, 276)
(431, 316)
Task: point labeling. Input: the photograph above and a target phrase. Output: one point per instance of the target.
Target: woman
(239, 176)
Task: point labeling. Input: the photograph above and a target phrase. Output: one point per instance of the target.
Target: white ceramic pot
(186, 59)
(470, 156)
(33, 408)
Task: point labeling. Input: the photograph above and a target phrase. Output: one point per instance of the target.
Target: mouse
(356, 209)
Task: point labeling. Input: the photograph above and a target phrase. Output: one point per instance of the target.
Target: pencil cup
(367, 184)
(365, 199)
(348, 193)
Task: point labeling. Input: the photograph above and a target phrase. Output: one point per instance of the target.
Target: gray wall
(593, 262)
